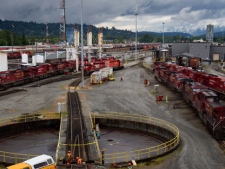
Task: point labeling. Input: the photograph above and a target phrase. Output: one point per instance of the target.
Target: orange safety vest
(79, 161)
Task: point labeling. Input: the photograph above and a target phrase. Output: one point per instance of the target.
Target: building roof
(185, 54)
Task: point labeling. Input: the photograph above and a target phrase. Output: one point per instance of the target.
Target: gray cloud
(178, 15)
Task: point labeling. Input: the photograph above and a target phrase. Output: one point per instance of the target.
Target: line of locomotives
(203, 92)
(27, 73)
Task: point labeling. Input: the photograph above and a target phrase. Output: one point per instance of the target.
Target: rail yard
(198, 148)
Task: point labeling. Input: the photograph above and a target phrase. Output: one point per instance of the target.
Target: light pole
(82, 46)
(136, 38)
(163, 35)
(12, 40)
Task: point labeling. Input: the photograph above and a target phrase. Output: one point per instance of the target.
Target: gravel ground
(198, 150)
(35, 99)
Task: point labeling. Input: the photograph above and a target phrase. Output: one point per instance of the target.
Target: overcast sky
(177, 15)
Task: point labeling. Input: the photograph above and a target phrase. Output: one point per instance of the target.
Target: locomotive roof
(216, 103)
(209, 94)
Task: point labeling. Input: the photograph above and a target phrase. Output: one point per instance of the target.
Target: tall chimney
(100, 37)
(76, 37)
(89, 37)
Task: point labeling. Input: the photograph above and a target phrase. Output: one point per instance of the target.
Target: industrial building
(205, 50)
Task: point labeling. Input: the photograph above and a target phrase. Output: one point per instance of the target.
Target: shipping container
(106, 73)
(96, 77)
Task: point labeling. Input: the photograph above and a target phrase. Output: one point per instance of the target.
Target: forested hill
(39, 29)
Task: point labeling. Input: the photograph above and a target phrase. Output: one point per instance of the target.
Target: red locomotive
(98, 63)
(28, 73)
(200, 91)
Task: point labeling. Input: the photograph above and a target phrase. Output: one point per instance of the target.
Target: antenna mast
(62, 30)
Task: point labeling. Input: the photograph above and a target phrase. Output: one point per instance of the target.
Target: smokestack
(100, 37)
(76, 37)
(89, 37)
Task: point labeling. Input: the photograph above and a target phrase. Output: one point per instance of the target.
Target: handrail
(10, 157)
(145, 152)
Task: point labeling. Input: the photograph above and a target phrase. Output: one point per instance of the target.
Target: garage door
(216, 57)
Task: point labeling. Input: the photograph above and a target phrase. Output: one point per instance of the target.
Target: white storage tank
(24, 58)
(4, 62)
(96, 77)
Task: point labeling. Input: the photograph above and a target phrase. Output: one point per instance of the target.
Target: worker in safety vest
(121, 78)
(69, 158)
(79, 160)
(129, 166)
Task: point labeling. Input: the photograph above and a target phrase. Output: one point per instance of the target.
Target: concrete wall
(137, 126)
(217, 50)
(178, 48)
(18, 128)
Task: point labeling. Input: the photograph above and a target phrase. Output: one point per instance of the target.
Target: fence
(144, 153)
(11, 157)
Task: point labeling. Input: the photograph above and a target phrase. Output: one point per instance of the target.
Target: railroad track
(76, 137)
(4, 93)
(148, 70)
(58, 79)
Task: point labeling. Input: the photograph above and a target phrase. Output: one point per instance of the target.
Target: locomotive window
(2, 75)
(49, 161)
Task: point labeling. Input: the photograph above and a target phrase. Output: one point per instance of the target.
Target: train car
(215, 83)
(71, 65)
(211, 111)
(98, 65)
(194, 63)
(176, 80)
(199, 96)
(88, 69)
(40, 162)
(14, 55)
(189, 90)
(59, 67)
(196, 75)
(12, 78)
(28, 72)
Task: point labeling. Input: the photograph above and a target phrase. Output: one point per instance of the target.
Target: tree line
(27, 33)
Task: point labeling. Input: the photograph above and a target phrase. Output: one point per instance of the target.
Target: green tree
(24, 40)
(146, 38)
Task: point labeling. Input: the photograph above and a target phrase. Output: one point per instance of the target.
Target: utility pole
(82, 46)
(12, 40)
(163, 35)
(136, 38)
